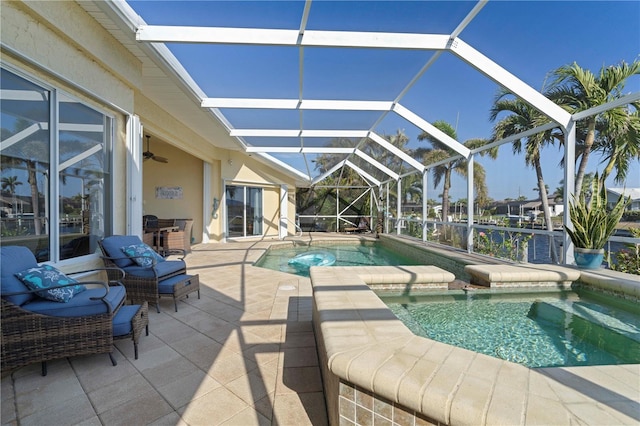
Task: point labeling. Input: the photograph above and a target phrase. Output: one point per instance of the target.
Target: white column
(425, 206)
(386, 220)
(134, 175)
(569, 190)
(207, 202)
(337, 209)
(399, 206)
(284, 215)
(470, 194)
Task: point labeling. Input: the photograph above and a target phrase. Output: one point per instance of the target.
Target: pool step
(619, 335)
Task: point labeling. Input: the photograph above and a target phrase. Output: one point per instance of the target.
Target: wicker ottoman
(179, 287)
(129, 321)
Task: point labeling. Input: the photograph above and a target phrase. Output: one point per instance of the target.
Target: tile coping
(365, 344)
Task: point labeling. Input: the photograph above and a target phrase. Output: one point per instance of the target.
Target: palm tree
(524, 117)
(442, 173)
(9, 184)
(620, 148)
(577, 89)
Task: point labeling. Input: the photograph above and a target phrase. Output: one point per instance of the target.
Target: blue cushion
(15, 259)
(165, 268)
(80, 305)
(46, 276)
(142, 254)
(113, 248)
(122, 320)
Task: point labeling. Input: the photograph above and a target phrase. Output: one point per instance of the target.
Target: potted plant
(593, 223)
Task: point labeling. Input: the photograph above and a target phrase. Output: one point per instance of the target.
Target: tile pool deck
(243, 354)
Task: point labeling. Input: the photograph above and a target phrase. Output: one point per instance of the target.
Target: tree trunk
(612, 162)
(584, 159)
(35, 196)
(445, 195)
(544, 198)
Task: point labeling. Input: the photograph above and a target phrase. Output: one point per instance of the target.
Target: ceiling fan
(148, 154)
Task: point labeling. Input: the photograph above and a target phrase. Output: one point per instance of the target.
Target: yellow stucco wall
(182, 170)
(36, 30)
(50, 33)
(246, 170)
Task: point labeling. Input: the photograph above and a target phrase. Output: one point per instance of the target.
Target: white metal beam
(445, 161)
(305, 17)
(377, 164)
(517, 136)
(305, 104)
(284, 165)
(183, 34)
(510, 81)
(250, 103)
(417, 77)
(328, 173)
(432, 130)
(277, 37)
(375, 40)
(362, 173)
(299, 133)
(269, 133)
(299, 150)
(322, 104)
(632, 97)
(467, 19)
(398, 152)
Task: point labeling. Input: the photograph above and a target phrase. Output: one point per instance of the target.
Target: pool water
(346, 255)
(542, 329)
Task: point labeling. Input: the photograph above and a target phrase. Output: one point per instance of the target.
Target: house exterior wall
(246, 170)
(184, 171)
(614, 196)
(46, 33)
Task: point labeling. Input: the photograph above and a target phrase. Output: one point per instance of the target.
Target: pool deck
(245, 354)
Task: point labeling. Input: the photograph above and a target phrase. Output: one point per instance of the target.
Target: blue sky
(529, 39)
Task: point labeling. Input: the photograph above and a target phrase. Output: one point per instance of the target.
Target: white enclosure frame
(439, 43)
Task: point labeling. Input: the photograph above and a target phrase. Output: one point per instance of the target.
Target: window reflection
(26, 207)
(82, 154)
(244, 211)
(24, 158)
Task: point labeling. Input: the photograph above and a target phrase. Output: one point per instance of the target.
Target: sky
(528, 38)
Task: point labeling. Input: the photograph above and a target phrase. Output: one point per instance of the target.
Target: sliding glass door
(244, 211)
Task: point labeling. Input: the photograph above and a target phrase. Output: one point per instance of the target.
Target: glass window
(81, 170)
(244, 211)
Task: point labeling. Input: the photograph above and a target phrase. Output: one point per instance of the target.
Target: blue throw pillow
(46, 276)
(142, 254)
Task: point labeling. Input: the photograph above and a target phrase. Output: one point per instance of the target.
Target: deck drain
(287, 287)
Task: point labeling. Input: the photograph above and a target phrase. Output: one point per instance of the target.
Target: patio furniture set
(167, 235)
(47, 314)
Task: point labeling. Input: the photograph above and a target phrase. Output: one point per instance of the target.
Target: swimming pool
(535, 329)
(362, 254)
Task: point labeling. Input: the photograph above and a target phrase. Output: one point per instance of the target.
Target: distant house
(534, 208)
(614, 194)
(529, 208)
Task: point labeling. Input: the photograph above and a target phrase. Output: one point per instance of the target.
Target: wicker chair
(184, 226)
(141, 282)
(37, 330)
